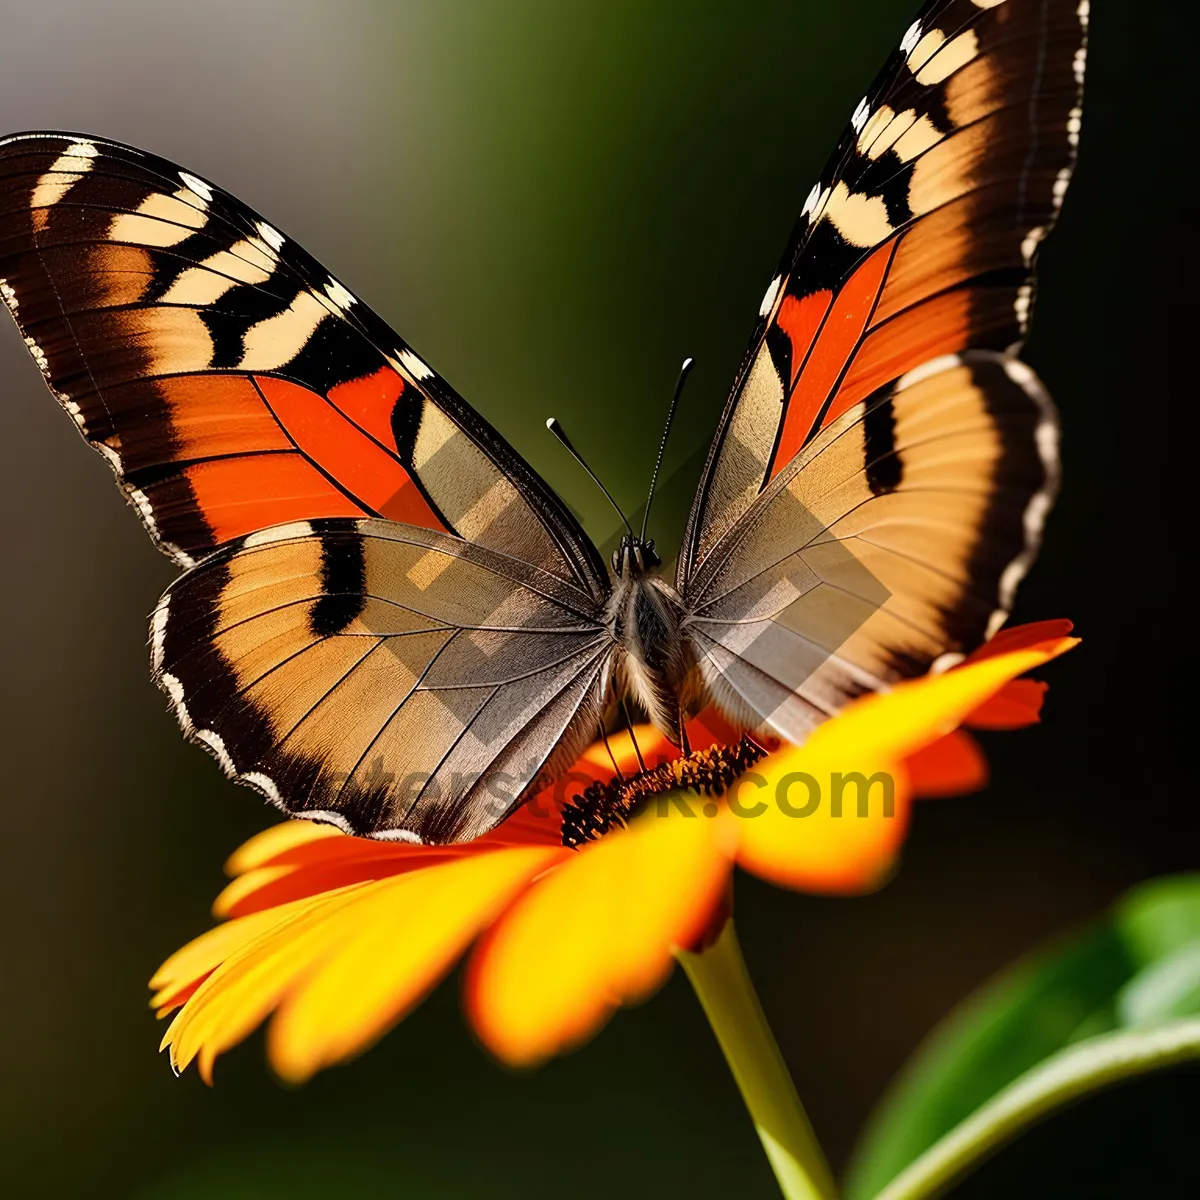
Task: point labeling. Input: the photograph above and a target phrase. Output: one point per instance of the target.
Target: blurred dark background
(555, 204)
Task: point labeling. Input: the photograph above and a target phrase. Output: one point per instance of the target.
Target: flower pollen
(602, 807)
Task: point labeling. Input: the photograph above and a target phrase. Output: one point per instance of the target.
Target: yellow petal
(597, 933)
(275, 840)
(894, 724)
(204, 954)
(820, 830)
(395, 944)
(802, 837)
(249, 984)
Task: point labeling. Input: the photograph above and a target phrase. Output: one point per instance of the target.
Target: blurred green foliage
(1137, 970)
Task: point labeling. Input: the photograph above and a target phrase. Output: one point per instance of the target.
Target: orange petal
(818, 829)
(952, 766)
(397, 942)
(1021, 637)
(892, 725)
(598, 932)
(1017, 704)
(268, 887)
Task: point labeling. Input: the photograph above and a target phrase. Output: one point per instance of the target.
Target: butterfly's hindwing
(396, 681)
(899, 534)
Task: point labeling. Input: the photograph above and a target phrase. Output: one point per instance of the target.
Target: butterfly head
(634, 557)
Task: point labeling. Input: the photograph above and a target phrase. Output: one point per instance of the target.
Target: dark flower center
(601, 807)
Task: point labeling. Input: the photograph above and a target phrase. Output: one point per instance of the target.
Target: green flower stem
(719, 975)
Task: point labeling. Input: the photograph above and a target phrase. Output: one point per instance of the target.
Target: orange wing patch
(237, 496)
(840, 334)
(344, 451)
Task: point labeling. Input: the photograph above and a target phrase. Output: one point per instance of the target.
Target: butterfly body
(390, 622)
(654, 664)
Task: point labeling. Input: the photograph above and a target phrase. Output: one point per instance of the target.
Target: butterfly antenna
(556, 429)
(662, 446)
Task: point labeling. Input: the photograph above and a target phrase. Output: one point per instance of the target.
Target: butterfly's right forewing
(861, 434)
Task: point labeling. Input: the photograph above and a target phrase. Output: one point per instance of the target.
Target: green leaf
(1113, 1002)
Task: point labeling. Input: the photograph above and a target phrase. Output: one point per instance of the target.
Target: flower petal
(179, 976)
(813, 830)
(329, 867)
(892, 725)
(240, 993)
(1021, 637)
(598, 932)
(267, 846)
(1017, 704)
(397, 942)
(952, 766)
(798, 843)
(349, 963)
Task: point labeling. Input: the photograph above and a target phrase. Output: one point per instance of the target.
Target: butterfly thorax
(644, 614)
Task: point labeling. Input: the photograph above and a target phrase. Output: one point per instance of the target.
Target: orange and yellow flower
(340, 937)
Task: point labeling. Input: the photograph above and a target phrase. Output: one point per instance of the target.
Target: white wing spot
(326, 816)
(158, 634)
(202, 189)
(413, 365)
(39, 356)
(1074, 125)
(1022, 375)
(1061, 183)
(141, 502)
(397, 835)
(216, 743)
(859, 117)
(77, 416)
(271, 235)
(911, 38)
(1029, 243)
(9, 295)
(338, 294)
(264, 784)
(174, 690)
(768, 300)
(944, 662)
(810, 201)
(1022, 304)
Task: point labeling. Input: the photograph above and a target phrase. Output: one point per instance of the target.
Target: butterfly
(389, 622)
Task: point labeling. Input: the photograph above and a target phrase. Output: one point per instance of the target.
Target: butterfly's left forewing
(266, 426)
(230, 380)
